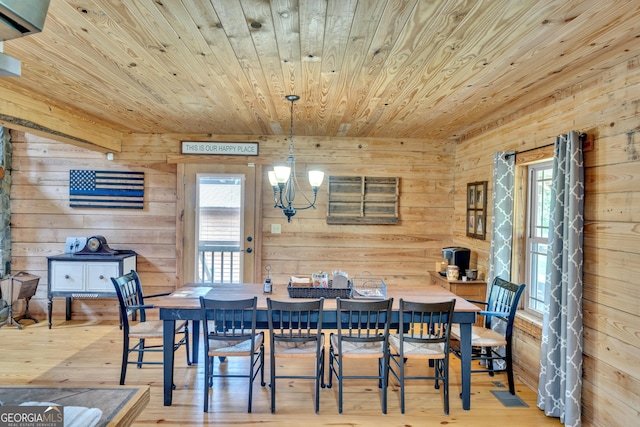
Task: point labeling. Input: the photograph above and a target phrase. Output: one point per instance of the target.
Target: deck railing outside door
(219, 262)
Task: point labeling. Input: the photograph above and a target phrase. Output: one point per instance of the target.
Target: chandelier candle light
(284, 181)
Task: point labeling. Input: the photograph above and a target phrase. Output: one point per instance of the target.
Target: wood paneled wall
(400, 253)
(605, 107)
(433, 177)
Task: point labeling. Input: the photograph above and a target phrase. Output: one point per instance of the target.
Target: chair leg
(272, 381)
(488, 353)
(339, 378)
(125, 359)
(251, 368)
(253, 373)
(385, 381)
(207, 381)
(322, 357)
(509, 362)
(140, 352)
(402, 367)
(210, 377)
(331, 367)
(444, 363)
(319, 379)
(262, 383)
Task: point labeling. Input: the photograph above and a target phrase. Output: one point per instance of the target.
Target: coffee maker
(457, 256)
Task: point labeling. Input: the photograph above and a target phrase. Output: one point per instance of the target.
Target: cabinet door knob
(66, 276)
(101, 277)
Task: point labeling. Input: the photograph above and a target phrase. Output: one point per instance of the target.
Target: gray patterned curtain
(501, 216)
(560, 381)
(501, 228)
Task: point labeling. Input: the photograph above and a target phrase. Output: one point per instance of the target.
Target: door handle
(249, 250)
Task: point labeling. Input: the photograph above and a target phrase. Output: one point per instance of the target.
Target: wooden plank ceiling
(367, 68)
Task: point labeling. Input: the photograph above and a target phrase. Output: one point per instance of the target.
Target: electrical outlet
(276, 228)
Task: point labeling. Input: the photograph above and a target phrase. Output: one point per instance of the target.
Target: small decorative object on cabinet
(469, 289)
(477, 210)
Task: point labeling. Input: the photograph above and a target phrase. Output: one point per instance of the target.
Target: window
(538, 215)
(219, 228)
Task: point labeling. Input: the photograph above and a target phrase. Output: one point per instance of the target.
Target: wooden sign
(220, 148)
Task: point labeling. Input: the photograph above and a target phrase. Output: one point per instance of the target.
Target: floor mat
(509, 400)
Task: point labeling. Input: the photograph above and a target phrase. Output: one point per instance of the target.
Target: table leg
(465, 364)
(68, 310)
(50, 309)
(168, 341)
(195, 340)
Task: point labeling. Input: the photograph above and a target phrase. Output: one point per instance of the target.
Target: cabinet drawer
(471, 291)
(66, 276)
(438, 280)
(99, 276)
(474, 290)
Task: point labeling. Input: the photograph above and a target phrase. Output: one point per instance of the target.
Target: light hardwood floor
(85, 354)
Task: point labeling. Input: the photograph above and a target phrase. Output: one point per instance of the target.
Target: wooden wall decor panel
(362, 200)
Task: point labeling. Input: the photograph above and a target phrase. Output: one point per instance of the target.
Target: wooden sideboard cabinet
(85, 276)
(473, 289)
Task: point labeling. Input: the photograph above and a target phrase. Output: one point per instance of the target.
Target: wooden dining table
(184, 304)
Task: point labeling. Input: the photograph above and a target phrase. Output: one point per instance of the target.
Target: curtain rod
(582, 136)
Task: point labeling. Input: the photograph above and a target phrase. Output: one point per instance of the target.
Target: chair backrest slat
(363, 320)
(426, 322)
(504, 297)
(225, 320)
(130, 297)
(295, 321)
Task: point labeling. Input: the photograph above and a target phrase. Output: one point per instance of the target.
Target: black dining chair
(134, 306)
(295, 332)
(229, 328)
(427, 329)
(362, 333)
(499, 314)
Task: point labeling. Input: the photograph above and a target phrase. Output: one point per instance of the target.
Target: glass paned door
(218, 220)
(219, 226)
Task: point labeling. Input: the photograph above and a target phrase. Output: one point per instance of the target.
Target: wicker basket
(369, 287)
(311, 292)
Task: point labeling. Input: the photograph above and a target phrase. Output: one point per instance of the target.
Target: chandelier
(284, 181)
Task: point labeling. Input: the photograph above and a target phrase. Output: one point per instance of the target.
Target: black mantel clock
(96, 245)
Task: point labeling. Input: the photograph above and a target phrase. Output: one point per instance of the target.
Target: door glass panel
(219, 228)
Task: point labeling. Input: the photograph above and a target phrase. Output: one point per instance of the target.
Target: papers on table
(195, 292)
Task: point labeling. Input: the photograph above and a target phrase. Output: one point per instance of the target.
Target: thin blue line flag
(106, 189)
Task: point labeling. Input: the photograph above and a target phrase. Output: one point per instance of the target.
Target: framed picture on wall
(480, 189)
(477, 210)
(471, 223)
